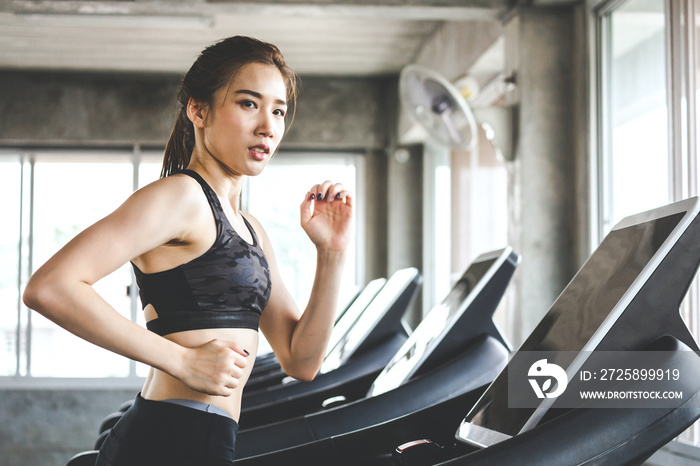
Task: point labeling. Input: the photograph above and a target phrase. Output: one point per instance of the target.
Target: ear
(197, 112)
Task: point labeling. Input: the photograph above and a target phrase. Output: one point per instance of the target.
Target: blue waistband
(198, 405)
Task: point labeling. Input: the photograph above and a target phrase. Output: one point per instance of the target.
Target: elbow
(38, 294)
(304, 376)
(32, 295)
(304, 373)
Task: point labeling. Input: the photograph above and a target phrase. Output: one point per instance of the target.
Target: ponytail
(178, 151)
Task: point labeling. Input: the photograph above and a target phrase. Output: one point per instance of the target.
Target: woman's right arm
(62, 288)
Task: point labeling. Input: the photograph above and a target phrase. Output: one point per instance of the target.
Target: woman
(206, 271)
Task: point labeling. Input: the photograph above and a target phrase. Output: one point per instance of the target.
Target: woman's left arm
(298, 339)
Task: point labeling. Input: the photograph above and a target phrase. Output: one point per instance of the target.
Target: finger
(322, 191)
(236, 372)
(315, 189)
(224, 390)
(309, 197)
(235, 347)
(348, 198)
(334, 192)
(237, 355)
(306, 207)
(232, 383)
(340, 196)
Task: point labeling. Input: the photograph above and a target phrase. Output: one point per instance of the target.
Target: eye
(248, 104)
(279, 112)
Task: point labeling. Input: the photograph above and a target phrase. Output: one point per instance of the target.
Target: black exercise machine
(626, 298)
(365, 340)
(456, 349)
(439, 337)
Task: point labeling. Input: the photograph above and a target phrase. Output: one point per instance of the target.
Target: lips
(260, 151)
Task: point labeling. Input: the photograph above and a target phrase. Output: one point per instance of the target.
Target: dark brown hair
(214, 69)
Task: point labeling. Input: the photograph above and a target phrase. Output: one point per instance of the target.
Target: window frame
(600, 162)
(682, 134)
(27, 157)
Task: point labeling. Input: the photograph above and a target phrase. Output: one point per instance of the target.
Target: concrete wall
(66, 108)
(404, 210)
(48, 427)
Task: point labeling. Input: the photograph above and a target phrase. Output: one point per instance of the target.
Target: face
(246, 123)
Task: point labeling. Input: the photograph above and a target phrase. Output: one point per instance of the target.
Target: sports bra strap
(216, 208)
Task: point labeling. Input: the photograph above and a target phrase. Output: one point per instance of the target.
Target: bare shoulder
(175, 194)
(175, 187)
(169, 209)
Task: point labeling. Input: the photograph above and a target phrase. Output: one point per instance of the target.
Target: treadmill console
(585, 315)
(443, 317)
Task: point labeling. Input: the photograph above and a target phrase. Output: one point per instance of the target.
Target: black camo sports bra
(226, 287)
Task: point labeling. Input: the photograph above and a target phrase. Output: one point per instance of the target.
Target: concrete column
(376, 221)
(405, 216)
(543, 216)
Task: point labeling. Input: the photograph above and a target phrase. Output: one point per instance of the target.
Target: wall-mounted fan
(437, 105)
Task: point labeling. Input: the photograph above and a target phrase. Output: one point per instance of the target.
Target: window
(274, 200)
(647, 125)
(635, 156)
(69, 195)
(10, 211)
(50, 196)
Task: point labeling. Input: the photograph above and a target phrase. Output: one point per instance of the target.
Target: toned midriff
(162, 386)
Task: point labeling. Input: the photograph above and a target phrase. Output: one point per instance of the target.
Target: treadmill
(458, 338)
(365, 339)
(423, 350)
(268, 363)
(592, 434)
(627, 295)
(625, 299)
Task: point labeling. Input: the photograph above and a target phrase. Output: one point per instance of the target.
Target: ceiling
(317, 37)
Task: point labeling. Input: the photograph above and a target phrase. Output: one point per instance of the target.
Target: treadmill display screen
(407, 360)
(379, 306)
(354, 312)
(573, 319)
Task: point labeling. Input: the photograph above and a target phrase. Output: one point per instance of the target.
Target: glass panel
(274, 199)
(149, 171)
(10, 192)
(441, 232)
(638, 163)
(69, 196)
(689, 307)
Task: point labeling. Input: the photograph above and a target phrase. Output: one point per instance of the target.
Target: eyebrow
(258, 95)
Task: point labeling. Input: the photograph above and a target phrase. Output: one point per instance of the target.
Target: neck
(225, 183)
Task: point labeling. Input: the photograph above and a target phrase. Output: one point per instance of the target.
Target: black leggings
(159, 433)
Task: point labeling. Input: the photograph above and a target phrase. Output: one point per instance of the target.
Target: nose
(265, 127)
